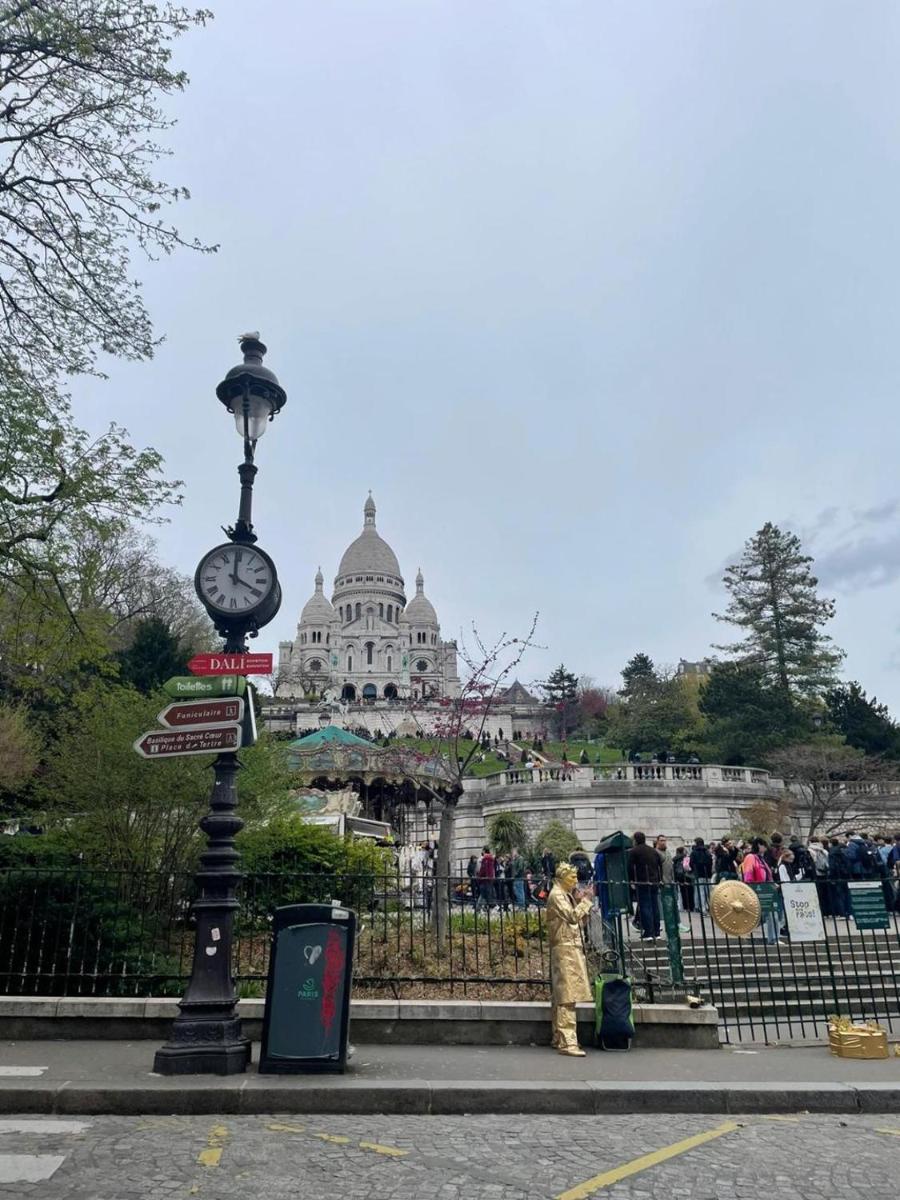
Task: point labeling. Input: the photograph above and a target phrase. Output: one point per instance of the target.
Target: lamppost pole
(207, 1037)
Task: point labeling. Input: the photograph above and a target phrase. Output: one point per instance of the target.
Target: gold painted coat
(568, 968)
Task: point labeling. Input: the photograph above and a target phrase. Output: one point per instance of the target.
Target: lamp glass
(258, 412)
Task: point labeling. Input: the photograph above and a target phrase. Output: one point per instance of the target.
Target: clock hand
(234, 574)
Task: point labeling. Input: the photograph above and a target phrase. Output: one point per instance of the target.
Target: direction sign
(195, 713)
(231, 664)
(165, 743)
(190, 687)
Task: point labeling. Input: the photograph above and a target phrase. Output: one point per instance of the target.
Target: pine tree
(864, 723)
(639, 676)
(561, 691)
(153, 656)
(773, 600)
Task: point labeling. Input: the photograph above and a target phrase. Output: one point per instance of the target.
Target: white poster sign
(804, 916)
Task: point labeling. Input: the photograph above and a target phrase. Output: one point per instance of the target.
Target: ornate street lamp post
(238, 585)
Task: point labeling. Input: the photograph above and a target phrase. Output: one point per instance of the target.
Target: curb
(421, 1097)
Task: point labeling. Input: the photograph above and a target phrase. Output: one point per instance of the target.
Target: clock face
(235, 579)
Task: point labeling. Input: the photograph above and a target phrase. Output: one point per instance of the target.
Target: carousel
(356, 786)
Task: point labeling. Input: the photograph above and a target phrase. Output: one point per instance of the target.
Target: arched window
(381, 610)
(389, 662)
(370, 649)
(369, 693)
(390, 692)
(342, 612)
(349, 692)
(358, 611)
(390, 613)
(349, 662)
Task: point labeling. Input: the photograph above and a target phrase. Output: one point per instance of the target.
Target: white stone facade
(367, 646)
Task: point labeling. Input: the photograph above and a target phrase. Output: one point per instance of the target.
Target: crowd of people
(509, 881)
(831, 863)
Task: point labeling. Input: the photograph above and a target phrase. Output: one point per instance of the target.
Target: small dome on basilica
(420, 610)
(318, 608)
(369, 553)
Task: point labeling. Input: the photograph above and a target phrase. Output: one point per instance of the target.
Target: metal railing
(768, 986)
(82, 932)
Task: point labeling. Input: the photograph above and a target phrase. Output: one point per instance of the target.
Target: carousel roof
(336, 755)
(330, 735)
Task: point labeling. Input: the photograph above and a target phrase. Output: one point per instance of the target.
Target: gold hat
(734, 907)
(565, 873)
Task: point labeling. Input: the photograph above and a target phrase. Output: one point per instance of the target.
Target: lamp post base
(200, 1047)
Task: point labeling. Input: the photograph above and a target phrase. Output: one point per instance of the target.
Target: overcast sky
(584, 292)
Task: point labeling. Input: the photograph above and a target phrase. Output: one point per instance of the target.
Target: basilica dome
(370, 553)
(420, 610)
(317, 610)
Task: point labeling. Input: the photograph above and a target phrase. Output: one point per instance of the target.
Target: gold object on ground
(734, 906)
(864, 1040)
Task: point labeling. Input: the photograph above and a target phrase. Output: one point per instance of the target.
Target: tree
(83, 84)
(832, 785)
(746, 715)
(773, 600)
(558, 839)
(561, 692)
(638, 675)
(864, 723)
(155, 655)
(455, 731)
(127, 813)
(66, 506)
(19, 748)
(654, 712)
(507, 830)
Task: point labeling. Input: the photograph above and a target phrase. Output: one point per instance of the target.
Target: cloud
(862, 556)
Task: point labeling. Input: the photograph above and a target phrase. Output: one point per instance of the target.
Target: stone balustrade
(693, 774)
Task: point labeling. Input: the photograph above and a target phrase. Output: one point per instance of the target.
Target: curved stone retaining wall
(681, 802)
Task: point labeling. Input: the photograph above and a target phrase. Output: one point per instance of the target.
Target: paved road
(460, 1158)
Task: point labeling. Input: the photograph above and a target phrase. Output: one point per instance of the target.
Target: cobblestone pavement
(447, 1158)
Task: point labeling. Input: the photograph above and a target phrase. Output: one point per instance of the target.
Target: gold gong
(734, 907)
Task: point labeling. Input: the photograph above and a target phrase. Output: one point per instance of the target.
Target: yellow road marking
(277, 1127)
(390, 1151)
(791, 1120)
(891, 1132)
(212, 1155)
(332, 1137)
(582, 1190)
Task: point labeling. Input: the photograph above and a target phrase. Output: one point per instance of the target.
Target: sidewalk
(116, 1077)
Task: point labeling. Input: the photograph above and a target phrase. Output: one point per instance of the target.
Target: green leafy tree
(124, 811)
(747, 716)
(154, 656)
(774, 602)
(864, 723)
(558, 839)
(506, 830)
(85, 88)
(654, 713)
(19, 748)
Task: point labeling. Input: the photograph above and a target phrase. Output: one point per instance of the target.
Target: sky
(584, 292)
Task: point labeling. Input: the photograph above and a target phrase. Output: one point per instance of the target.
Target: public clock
(238, 586)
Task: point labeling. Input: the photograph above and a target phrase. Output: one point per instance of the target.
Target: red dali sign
(193, 713)
(231, 664)
(164, 743)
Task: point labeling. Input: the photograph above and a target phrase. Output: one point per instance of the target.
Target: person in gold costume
(567, 910)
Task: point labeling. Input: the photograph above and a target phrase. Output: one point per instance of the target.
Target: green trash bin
(615, 852)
